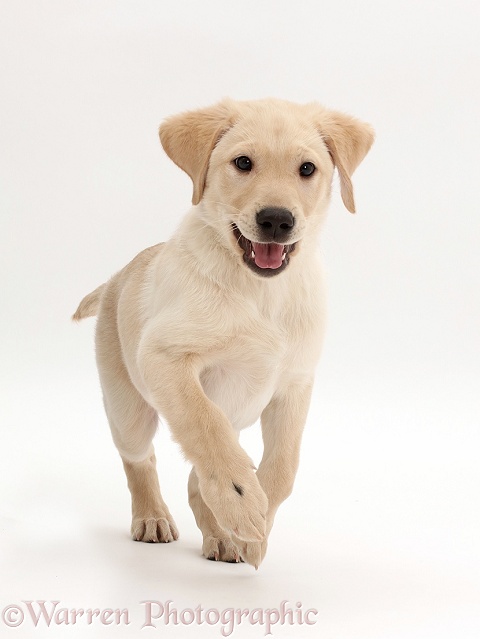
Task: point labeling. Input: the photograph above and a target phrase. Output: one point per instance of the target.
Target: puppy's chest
(242, 378)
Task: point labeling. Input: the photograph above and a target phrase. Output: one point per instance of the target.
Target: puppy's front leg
(283, 421)
(227, 481)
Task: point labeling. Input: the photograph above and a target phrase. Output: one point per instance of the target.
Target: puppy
(223, 324)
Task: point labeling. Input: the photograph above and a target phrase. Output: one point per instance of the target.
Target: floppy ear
(348, 141)
(189, 139)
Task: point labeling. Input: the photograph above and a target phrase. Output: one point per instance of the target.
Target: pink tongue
(268, 255)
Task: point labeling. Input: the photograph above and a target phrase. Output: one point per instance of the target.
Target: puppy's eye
(307, 169)
(243, 163)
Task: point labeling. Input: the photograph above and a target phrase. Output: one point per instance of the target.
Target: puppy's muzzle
(269, 255)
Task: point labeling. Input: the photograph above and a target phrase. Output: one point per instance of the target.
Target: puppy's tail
(89, 305)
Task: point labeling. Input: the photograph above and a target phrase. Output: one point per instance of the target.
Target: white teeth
(252, 255)
(284, 256)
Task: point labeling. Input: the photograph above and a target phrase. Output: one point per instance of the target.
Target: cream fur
(188, 331)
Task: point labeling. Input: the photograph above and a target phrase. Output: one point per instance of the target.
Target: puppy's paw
(251, 552)
(238, 504)
(220, 549)
(154, 529)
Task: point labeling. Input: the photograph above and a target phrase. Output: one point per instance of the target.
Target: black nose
(275, 223)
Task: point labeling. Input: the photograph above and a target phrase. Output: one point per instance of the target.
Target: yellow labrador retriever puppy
(223, 324)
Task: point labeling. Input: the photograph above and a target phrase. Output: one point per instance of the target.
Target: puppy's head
(262, 172)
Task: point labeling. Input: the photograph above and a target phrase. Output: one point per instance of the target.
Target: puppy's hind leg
(151, 519)
(133, 423)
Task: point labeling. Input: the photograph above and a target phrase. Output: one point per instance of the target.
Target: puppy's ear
(189, 139)
(348, 141)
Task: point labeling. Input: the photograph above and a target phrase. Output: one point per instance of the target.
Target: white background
(382, 532)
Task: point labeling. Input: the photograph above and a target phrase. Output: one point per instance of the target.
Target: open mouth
(263, 258)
